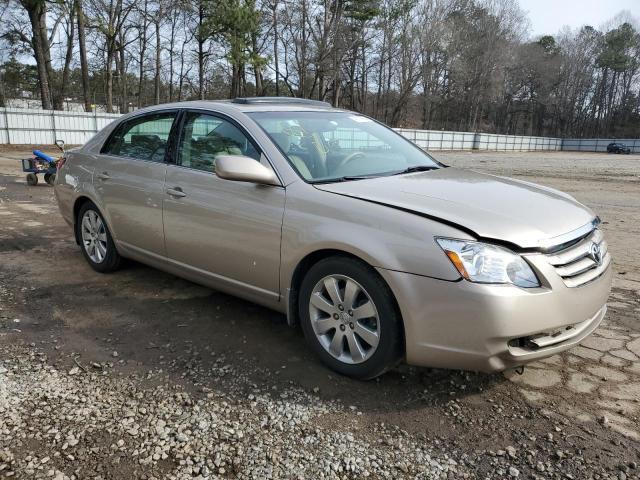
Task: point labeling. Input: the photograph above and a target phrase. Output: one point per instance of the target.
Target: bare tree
(84, 67)
(109, 17)
(446, 64)
(37, 11)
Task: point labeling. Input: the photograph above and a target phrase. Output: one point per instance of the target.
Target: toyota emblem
(596, 253)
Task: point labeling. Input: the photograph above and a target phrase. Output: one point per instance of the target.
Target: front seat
(314, 144)
(284, 142)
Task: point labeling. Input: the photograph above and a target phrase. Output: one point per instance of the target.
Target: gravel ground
(142, 375)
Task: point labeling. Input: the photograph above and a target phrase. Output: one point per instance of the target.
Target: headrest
(283, 141)
(149, 140)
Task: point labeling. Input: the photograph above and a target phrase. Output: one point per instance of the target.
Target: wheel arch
(78, 203)
(305, 264)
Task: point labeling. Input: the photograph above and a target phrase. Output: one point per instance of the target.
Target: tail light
(60, 162)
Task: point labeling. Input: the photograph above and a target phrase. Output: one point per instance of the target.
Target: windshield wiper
(417, 168)
(346, 178)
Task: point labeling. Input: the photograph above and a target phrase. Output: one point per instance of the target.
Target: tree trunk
(171, 48)
(109, 81)
(84, 68)
(2, 99)
(37, 17)
(303, 51)
(122, 74)
(156, 80)
(235, 81)
(257, 67)
(352, 78)
(275, 46)
(181, 79)
(47, 52)
(201, 40)
(376, 110)
(200, 69)
(143, 49)
(363, 85)
(59, 102)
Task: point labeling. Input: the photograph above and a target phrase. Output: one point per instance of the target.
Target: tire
(103, 257)
(50, 178)
(329, 330)
(32, 179)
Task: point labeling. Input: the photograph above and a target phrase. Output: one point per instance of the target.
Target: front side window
(205, 137)
(336, 146)
(143, 138)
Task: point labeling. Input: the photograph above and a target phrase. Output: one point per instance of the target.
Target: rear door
(129, 179)
(230, 231)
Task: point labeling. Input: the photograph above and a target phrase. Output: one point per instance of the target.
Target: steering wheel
(349, 158)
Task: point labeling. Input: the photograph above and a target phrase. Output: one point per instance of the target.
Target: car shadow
(155, 320)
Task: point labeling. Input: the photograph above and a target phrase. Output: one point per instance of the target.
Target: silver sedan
(378, 251)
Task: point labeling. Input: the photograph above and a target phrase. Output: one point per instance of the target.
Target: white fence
(40, 127)
(442, 140)
(598, 144)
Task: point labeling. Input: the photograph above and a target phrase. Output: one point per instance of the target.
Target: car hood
(488, 206)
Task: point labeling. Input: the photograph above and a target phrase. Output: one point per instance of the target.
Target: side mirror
(60, 145)
(244, 169)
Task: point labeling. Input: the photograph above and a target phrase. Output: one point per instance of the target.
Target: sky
(549, 16)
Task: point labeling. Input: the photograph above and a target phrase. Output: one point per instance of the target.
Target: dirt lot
(139, 374)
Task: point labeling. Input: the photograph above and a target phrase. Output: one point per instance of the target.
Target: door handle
(176, 192)
(103, 176)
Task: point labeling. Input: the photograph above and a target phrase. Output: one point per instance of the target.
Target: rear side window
(143, 138)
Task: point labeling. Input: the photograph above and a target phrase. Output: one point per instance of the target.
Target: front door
(228, 230)
(129, 179)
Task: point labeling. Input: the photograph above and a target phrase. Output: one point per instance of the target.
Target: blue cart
(40, 163)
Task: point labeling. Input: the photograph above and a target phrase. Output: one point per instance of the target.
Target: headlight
(484, 263)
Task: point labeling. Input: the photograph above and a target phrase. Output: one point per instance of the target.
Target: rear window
(142, 138)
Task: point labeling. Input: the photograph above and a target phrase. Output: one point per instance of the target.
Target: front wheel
(32, 179)
(96, 241)
(349, 318)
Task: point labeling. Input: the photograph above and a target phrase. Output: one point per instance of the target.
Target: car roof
(272, 105)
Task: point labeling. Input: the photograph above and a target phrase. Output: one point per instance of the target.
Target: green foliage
(619, 49)
(362, 10)
(548, 45)
(19, 78)
(234, 22)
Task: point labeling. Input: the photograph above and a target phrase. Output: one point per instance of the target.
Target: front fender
(381, 236)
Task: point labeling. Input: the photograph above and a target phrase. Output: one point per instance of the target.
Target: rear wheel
(32, 179)
(50, 178)
(349, 318)
(96, 241)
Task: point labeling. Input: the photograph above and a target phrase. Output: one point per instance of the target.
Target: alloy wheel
(344, 319)
(94, 236)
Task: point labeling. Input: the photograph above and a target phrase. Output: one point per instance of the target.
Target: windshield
(336, 146)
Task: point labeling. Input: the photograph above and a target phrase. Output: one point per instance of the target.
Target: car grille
(577, 265)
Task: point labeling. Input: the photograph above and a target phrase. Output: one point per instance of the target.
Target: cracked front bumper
(470, 326)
